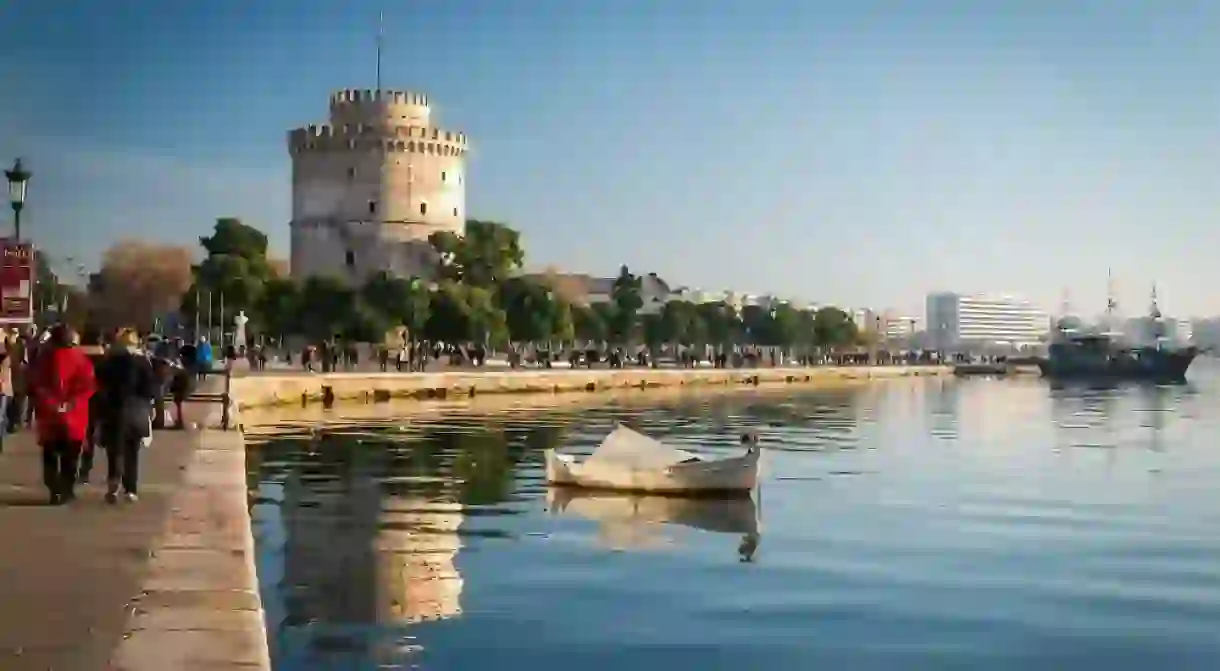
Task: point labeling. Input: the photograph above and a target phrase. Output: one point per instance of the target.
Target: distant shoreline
(259, 396)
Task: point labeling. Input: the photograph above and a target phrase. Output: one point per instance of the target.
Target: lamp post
(17, 178)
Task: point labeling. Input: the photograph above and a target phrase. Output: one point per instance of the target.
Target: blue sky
(857, 152)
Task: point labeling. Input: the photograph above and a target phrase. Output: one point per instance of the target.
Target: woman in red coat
(61, 379)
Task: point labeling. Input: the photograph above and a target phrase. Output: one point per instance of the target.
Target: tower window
(455, 211)
(349, 258)
(442, 176)
(351, 173)
(372, 207)
(423, 208)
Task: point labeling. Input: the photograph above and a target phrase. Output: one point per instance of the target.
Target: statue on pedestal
(239, 330)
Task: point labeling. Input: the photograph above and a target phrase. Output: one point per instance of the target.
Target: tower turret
(369, 187)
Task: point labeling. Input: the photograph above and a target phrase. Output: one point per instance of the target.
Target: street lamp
(17, 178)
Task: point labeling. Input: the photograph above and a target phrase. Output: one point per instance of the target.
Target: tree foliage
(139, 282)
(479, 296)
(486, 256)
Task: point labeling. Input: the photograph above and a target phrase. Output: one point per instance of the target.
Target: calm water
(922, 524)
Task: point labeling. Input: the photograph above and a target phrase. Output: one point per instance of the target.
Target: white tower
(369, 187)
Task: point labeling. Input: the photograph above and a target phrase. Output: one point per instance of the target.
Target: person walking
(203, 358)
(14, 410)
(61, 382)
(6, 388)
(128, 386)
(96, 352)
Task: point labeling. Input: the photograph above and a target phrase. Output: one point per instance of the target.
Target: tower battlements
(379, 106)
(372, 183)
(420, 139)
(382, 96)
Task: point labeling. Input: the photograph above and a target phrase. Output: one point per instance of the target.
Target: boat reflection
(634, 521)
(416, 546)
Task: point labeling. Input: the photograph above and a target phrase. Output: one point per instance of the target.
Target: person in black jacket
(127, 387)
(96, 354)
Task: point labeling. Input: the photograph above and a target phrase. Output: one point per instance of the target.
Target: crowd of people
(109, 394)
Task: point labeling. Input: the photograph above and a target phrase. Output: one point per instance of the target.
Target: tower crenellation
(371, 185)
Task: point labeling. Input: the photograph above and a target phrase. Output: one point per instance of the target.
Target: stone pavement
(71, 576)
(68, 573)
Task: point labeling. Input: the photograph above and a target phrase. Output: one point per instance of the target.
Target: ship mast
(1065, 322)
(1111, 305)
(1158, 320)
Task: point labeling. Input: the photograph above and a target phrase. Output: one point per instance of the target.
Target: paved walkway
(68, 573)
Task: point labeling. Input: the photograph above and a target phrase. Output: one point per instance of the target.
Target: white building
(899, 329)
(958, 322)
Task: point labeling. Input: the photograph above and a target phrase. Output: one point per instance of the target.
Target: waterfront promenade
(163, 583)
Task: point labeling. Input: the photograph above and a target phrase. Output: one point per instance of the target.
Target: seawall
(271, 389)
(199, 605)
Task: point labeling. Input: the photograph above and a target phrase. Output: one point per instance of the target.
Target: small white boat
(630, 461)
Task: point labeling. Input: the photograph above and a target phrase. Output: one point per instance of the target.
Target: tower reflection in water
(369, 517)
(416, 547)
(370, 523)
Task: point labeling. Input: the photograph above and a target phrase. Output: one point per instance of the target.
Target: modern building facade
(973, 322)
(370, 186)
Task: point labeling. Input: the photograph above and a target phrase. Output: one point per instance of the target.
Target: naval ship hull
(1148, 365)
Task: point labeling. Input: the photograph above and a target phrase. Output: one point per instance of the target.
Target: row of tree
(478, 295)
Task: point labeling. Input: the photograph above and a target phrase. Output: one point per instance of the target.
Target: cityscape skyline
(1026, 149)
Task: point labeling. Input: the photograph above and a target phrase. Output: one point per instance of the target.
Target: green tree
(785, 326)
(530, 309)
(589, 323)
(834, 328)
(230, 237)
(756, 324)
(388, 295)
(449, 315)
(654, 331)
(417, 308)
(363, 323)
(487, 321)
(236, 267)
(487, 255)
(625, 294)
(280, 307)
(563, 326)
(720, 322)
(326, 307)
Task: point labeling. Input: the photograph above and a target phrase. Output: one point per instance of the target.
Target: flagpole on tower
(380, 38)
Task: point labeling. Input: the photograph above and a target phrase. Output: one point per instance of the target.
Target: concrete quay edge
(199, 606)
(271, 389)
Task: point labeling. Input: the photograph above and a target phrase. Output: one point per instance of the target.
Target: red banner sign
(16, 283)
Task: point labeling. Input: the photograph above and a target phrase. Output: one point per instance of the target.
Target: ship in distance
(1104, 357)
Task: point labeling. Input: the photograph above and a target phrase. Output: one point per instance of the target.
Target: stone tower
(371, 186)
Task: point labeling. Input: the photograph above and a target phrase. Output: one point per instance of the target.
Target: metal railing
(225, 397)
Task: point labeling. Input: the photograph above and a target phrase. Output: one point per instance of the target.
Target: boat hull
(1149, 366)
(732, 476)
